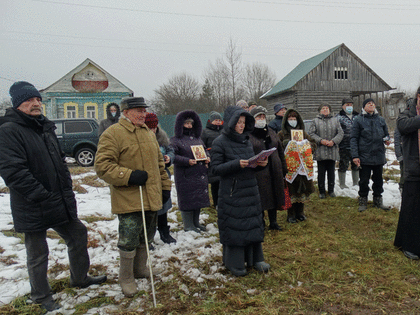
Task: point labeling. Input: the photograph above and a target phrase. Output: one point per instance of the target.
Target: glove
(138, 177)
(166, 194)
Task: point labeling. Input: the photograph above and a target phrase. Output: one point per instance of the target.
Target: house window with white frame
(71, 111)
(341, 73)
(90, 111)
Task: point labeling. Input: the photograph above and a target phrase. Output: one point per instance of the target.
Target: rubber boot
(196, 220)
(362, 204)
(291, 217)
(377, 201)
(300, 215)
(165, 236)
(234, 259)
(126, 277)
(140, 269)
(272, 217)
(188, 220)
(342, 180)
(355, 177)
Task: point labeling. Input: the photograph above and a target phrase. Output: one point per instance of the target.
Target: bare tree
(5, 103)
(217, 76)
(234, 61)
(257, 79)
(181, 92)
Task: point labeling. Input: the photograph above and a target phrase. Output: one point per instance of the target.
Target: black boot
(272, 217)
(300, 215)
(291, 217)
(362, 204)
(377, 201)
(165, 236)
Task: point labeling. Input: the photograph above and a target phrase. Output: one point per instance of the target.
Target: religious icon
(199, 152)
(297, 135)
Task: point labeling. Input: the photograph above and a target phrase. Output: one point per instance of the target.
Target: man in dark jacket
(276, 123)
(41, 196)
(112, 115)
(369, 135)
(346, 117)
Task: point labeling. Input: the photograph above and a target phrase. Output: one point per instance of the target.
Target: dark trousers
(327, 166)
(345, 160)
(238, 256)
(364, 176)
(215, 192)
(74, 234)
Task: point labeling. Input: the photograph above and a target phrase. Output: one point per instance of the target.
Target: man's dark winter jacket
(190, 181)
(110, 120)
(239, 212)
(346, 123)
(367, 138)
(33, 167)
(276, 124)
(408, 123)
(208, 135)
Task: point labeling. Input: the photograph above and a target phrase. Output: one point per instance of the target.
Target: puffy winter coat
(301, 185)
(270, 178)
(110, 120)
(239, 212)
(346, 123)
(122, 149)
(367, 138)
(191, 182)
(208, 135)
(33, 167)
(328, 128)
(408, 123)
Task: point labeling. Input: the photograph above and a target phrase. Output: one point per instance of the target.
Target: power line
(228, 17)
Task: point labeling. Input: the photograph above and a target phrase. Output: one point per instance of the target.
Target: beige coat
(122, 149)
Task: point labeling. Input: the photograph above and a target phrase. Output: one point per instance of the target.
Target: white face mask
(114, 114)
(349, 109)
(260, 123)
(292, 123)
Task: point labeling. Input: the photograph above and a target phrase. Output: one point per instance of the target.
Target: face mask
(260, 123)
(292, 123)
(114, 114)
(349, 109)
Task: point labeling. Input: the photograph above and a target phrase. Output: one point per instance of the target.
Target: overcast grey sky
(145, 42)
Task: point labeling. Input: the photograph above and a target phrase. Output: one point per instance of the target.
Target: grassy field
(339, 261)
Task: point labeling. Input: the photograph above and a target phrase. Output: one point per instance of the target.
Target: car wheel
(85, 157)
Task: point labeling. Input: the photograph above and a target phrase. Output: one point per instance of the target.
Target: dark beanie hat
(346, 100)
(367, 101)
(22, 91)
(215, 115)
(151, 120)
(278, 107)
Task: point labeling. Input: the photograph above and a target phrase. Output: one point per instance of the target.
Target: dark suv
(78, 138)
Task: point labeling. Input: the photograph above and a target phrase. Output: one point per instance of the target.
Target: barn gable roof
(306, 66)
(65, 83)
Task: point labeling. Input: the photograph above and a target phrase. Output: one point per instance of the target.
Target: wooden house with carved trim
(328, 77)
(84, 92)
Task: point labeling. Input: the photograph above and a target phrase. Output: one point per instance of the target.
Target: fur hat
(250, 103)
(132, 102)
(258, 111)
(242, 103)
(278, 107)
(151, 120)
(22, 91)
(367, 101)
(346, 100)
(214, 115)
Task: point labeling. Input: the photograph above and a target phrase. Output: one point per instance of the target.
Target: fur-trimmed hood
(231, 117)
(285, 125)
(179, 123)
(108, 113)
(162, 137)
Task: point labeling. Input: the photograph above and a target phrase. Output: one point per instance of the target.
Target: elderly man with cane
(129, 159)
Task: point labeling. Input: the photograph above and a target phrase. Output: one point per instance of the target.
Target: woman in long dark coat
(408, 230)
(301, 187)
(271, 178)
(240, 220)
(190, 175)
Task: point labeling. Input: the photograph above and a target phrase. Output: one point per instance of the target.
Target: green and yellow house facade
(83, 93)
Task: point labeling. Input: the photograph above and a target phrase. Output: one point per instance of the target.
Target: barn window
(340, 73)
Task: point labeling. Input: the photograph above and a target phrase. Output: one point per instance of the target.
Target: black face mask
(186, 131)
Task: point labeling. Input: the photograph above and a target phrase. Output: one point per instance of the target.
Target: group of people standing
(134, 154)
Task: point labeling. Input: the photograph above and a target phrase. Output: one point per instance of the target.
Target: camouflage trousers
(131, 232)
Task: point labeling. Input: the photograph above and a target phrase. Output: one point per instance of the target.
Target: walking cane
(147, 247)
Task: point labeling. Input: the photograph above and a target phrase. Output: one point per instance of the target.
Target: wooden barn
(84, 92)
(328, 77)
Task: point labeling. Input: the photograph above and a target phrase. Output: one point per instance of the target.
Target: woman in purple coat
(190, 175)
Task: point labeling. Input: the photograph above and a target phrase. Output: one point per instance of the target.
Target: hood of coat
(285, 125)
(364, 113)
(231, 117)
(162, 137)
(179, 123)
(40, 123)
(320, 116)
(108, 113)
(411, 106)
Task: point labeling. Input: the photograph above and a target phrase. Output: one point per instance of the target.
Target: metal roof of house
(299, 72)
